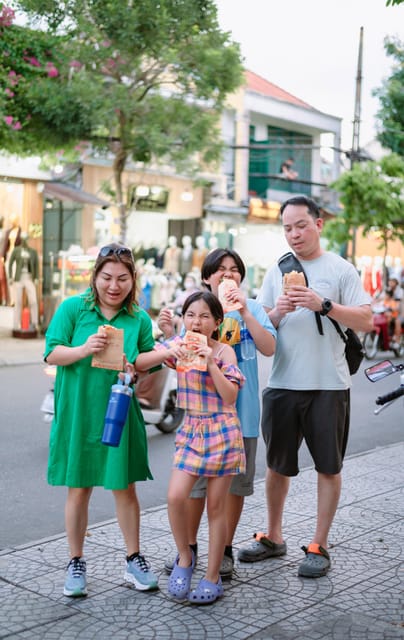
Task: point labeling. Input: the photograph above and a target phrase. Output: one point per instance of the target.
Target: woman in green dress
(77, 458)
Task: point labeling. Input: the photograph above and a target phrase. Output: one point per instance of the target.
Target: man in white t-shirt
(308, 392)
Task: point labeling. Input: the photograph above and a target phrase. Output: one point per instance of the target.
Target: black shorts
(320, 417)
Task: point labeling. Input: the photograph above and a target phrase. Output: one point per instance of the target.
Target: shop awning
(63, 191)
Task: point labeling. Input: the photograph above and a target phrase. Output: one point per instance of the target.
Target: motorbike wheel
(370, 343)
(172, 417)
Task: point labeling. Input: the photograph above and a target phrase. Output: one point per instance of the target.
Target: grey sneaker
(139, 573)
(261, 549)
(316, 563)
(226, 568)
(75, 582)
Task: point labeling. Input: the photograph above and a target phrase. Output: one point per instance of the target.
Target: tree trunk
(118, 168)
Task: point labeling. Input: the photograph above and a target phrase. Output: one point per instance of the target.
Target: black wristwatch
(326, 307)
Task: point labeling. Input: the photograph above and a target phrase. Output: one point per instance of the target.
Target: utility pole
(355, 150)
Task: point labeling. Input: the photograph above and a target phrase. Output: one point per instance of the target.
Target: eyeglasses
(116, 251)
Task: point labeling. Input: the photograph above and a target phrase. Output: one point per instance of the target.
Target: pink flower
(51, 69)
(105, 43)
(17, 125)
(75, 64)
(6, 17)
(11, 73)
(32, 60)
(9, 92)
(9, 120)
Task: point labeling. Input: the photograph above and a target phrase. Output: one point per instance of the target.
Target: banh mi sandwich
(292, 279)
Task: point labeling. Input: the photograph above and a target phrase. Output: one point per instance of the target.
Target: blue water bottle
(117, 412)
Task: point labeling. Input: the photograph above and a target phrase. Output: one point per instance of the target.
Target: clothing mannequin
(199, 253)
(12, 238)
(172, 256)
(213, 243)
(186, 255)
(3, 274)
(23, 271)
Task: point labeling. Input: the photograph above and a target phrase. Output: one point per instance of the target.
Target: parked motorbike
(156, 394)
(382, 370)
(381, 339)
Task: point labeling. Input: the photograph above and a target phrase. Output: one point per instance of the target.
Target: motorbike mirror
(380, 370)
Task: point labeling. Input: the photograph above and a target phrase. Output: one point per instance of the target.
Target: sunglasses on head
(116, 251)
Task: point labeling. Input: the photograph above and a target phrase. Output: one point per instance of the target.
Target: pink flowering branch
(7, 16)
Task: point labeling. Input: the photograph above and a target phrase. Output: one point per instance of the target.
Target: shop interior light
(142, 191)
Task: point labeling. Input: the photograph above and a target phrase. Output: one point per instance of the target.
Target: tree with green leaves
(149, 80)
(391, 95)
(372, 197)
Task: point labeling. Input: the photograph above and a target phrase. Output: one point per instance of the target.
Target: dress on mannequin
(12, 238)
(3, 274)
(186, 256)
(23, 271)
(172, 256)
(213, 243)
(200, 253)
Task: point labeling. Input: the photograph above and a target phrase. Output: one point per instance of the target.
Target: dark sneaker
(169, 563)
(138, 573)
(316, 563)
(261, 549)
(226, 567)
(75, 582)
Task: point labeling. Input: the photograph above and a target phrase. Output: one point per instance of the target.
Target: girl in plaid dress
(209, 443)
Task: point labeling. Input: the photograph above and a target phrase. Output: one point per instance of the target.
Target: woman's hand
(95, 343)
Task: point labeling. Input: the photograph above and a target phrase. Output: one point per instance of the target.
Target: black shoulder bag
(354, 351)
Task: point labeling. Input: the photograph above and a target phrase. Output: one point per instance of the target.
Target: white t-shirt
(304, 359)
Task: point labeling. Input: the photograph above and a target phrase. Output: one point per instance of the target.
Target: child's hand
(206, 352)
(129, 368)
(177, 351)
(236, 295)
(165, 322)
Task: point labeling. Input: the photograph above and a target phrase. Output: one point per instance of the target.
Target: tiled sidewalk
(360, 599)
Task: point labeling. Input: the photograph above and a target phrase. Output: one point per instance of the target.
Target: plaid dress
(209, 442)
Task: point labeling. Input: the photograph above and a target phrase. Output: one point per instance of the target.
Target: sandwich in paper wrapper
(191, 359)
(292, 279)
(224, 288)
(112, 356)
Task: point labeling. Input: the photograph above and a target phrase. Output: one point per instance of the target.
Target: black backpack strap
(287, 263)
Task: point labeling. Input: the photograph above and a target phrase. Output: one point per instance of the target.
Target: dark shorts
(243, 483)
(320, 417)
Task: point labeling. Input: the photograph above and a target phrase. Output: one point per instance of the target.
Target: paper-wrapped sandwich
(292, 279)
(191, 360)
(224, 288)
(112, 356)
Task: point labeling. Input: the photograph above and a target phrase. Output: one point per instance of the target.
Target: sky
(310, 49)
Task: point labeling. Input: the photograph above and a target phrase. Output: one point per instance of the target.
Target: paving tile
(21, 609)
(361, 598)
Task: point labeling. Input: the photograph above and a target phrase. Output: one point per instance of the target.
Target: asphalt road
(31, 510)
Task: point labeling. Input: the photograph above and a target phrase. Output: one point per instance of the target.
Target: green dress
(77, 458)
